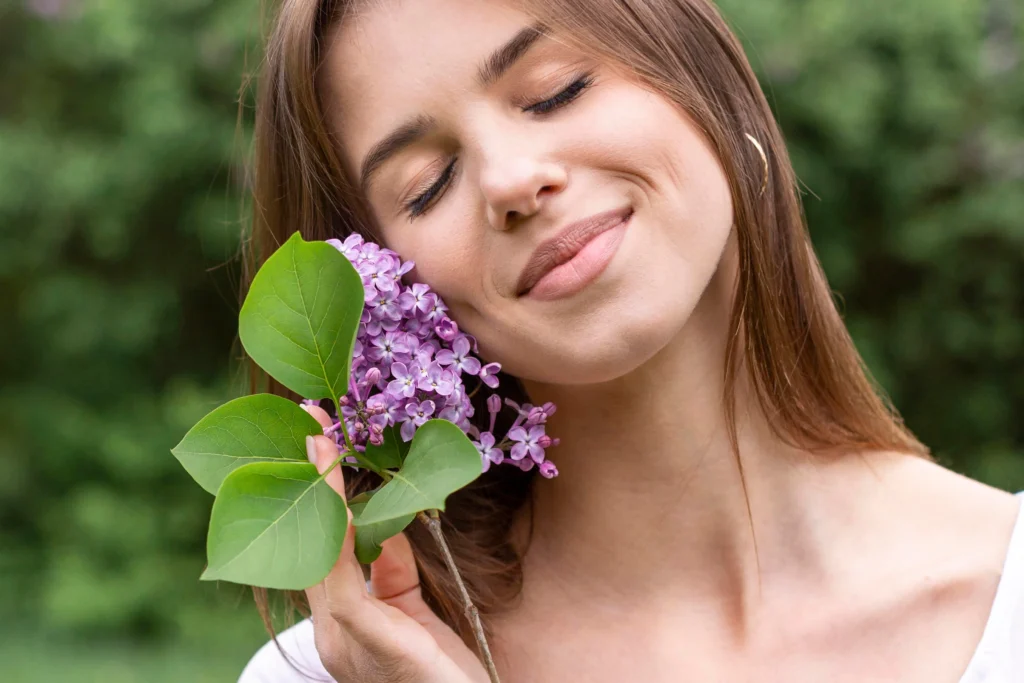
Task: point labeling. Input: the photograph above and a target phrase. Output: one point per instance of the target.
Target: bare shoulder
(957, 534)
(962, 505)
(943, 544)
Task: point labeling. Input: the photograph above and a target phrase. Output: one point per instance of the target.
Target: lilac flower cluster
(409, 365)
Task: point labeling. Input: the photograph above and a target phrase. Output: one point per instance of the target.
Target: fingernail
(311, 448)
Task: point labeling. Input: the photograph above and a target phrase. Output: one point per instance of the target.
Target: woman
(599, 193)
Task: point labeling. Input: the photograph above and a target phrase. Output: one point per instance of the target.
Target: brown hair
(785, 330)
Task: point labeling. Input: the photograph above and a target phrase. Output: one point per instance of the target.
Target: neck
(652, 500)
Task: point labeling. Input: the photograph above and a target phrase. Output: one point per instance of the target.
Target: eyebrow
(493, 68)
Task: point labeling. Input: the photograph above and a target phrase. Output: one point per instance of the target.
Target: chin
(600, 349)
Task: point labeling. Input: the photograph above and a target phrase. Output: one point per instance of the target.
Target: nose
(518, 186)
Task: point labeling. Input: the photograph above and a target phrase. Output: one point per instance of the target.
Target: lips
(566, 244)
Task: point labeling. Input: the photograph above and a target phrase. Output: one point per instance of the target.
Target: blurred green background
(121, 190)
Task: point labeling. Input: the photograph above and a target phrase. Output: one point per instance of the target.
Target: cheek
(449, 259)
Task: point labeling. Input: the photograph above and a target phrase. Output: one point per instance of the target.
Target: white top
(999, 657)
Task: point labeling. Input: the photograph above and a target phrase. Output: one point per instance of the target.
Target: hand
(390, 635)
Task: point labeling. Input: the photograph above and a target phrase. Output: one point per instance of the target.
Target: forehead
(396, 59)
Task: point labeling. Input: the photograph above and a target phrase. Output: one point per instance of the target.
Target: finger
(394, 581)
(342, 611)
(322, 452)
(394, 573)
(342, 594)
(319, 414)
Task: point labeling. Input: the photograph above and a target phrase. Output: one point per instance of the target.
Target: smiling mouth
(569, 261)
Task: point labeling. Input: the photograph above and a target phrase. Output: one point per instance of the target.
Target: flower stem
(433, 522)
(351, 447)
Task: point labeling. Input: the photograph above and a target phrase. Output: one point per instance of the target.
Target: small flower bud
(376, 438)
(487, 374)
(536, 416)
(372, 376)
(493, 404)
(376, 429)
(446, 329)
(343, 401)
(548, 469)
(358, 426)
(544, 441)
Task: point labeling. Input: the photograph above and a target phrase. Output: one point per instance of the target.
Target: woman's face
(487, 170)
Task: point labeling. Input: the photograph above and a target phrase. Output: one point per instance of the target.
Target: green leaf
(370, 538)
(275, 525)
(300, 317)
(389, 454)
(361, 498)
(441, 460)
(259, 428)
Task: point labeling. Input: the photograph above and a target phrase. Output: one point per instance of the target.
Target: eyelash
(419, 205)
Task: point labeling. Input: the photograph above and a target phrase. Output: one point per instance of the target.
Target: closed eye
(421, 203)
(565, 97)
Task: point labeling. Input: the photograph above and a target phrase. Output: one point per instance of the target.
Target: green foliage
(277, 525)
(257, 428)
(370, 537)
(300, 318)
(119, 206)
(441, 460)
(905, 122)
(390, 454)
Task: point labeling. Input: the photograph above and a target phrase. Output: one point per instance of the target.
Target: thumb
(395, 581)
(394, 573)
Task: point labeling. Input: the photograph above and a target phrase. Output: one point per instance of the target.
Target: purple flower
(415, 299)
(388, 348)
(457, 416)
(406, 336)
(525, 464)
(548, 469)
(458, 398)
(418, 415)
(424, 352)
(436, 308)
(526, 443)
(420, 412)
(459, 356)
(446, 329)
(404, 383)
(387, 307)
(488, 452)
(437, 380)
(377, 273)
(487, 374)
(536, 416)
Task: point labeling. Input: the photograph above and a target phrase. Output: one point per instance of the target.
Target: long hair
(785, 331)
